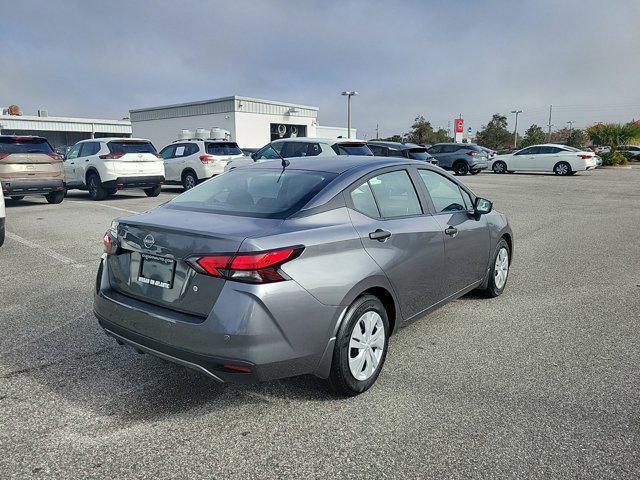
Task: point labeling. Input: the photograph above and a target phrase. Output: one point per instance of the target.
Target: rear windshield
(419, 154)
(24, 145)
(223, 148)
(254, 192)
(353, 149)
(123, 147)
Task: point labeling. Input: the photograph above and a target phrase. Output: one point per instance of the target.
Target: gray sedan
(298, 267)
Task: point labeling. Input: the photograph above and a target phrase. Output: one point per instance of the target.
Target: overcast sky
(436, 58)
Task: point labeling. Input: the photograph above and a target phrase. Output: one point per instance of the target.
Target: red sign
(459, 123)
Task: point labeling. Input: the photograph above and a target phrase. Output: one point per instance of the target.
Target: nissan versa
(298, 267)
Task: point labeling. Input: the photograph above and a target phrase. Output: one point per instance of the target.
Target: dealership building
(252, 122)
(62, 131)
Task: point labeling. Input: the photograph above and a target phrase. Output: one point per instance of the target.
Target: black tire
(341, 379)
(1, 233)
(111, 191)
(17, 197)
(96, 190)
(492, 289)
(189, 180)
(55, 197)
(562, 168)
(499, 167)
(474, 172)
(153, 191)
(461, 167)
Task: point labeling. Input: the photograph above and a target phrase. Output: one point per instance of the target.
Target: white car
(304, 147)
(188, 162)
(2, 217)
(559, 159)
(105, 165)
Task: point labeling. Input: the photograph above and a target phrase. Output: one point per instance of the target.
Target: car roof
(338, 164)
(396, 145)
(329, 141)
(111, 139)
(456, 143)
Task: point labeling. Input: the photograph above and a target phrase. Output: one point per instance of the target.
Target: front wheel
(499, 167)
(153, 191)
(461, 168)
(361, 347)
(562, 168)
(55, 197)
(500, 270)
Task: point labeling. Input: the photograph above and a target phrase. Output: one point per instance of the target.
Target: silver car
(298, 266)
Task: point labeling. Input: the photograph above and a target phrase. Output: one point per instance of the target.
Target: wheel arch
(91, 170)
(188, 170)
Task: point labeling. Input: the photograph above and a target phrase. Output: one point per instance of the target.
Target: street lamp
(349, 94)
(515, 130)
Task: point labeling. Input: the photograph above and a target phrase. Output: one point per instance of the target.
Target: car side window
(434, 149)
(528, 151)
(445, 194)
(89, 148)
(467, 199)
(192, 148)
(180, 150)
(395, 194)
(74, 152)
(363, 201)
(167, 152)
(269, 152)
(377, 151)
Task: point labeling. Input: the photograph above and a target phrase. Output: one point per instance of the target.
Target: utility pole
(515, 130)
(550, 125)
(349, 94)
(377, 131)
(571, 122)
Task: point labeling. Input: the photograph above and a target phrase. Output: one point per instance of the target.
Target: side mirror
(482, 206)
(254, 157)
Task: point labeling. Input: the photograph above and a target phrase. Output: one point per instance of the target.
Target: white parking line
(45, 250)
(103, 205)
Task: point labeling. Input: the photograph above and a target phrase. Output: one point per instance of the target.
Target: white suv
(105, 165)
(2, 216)
(188, 162)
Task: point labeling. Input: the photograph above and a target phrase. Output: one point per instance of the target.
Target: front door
(466, 237)
(405, 242)
(171, 173)
(70, 177)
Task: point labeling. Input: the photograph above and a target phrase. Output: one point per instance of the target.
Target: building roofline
(32, 118)
(221, 100)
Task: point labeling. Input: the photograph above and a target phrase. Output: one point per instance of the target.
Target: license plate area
(157, 271)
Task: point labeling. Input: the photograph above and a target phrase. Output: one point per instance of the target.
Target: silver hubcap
(501, 269)
(498, 167)
(366, 345)
(189, 182)
(562, 169)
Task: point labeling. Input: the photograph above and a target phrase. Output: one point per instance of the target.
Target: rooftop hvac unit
(5, 111)
(185, 134)
(43, 113)
(218, 133)
(201, 133)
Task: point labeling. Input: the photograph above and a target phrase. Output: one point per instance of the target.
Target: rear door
(466, 238)
(401, 236)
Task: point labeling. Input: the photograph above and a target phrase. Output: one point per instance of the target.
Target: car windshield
(10, 145)
(124, 147)
(353, 149)
(419, 154)
(223, 148)
(254, 192)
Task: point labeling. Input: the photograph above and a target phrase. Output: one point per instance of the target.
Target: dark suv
(462, 158)
(405, 150)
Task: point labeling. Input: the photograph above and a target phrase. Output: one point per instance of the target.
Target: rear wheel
(55, 197)
(17, 197)
(562, 168)
(189, 180)
(499, 167)
(96, 190)
(361, 347)
(461, 167)
(153, 191)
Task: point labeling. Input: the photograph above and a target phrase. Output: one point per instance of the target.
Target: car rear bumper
(20, 187)
(254, 327)
(135, 182)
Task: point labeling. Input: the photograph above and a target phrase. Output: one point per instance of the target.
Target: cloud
(436, 58)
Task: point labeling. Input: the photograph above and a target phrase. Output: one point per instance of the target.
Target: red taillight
(55, 156)
(110, 244)
(261, 267)
(472, 153)
(3, 155)
(237, 368)
(584, 157)
(111, 156)
(207, 159)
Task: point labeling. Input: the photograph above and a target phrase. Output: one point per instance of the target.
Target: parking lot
(542, 381)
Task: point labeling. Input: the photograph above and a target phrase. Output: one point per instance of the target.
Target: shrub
(613, 158)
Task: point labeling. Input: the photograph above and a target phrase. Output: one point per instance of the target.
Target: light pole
(515, 130)
(349, 94)
(570, 123)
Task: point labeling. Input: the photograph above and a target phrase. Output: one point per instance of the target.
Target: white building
(252, 122)
(63, 131)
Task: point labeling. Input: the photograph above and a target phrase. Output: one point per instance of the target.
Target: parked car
(189, 162)
(2, 217)
(298, 266)
(29, 166)
(303, 147)
(247, 152)
(462, 158)
(397, 149)
(632, 149)
(560, 159)
(490, 153)
(105, 165)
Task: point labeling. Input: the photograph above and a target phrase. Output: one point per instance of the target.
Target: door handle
(451, 231)
(380, 235)
(87, 160)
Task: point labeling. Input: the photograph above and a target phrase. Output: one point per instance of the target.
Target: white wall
(254, 129)
(163, 132)
(334, 132)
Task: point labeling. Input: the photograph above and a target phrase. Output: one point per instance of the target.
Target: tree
(423, 132)
(494, 134)
(613, 134)
(576, 138)
(533, 136)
